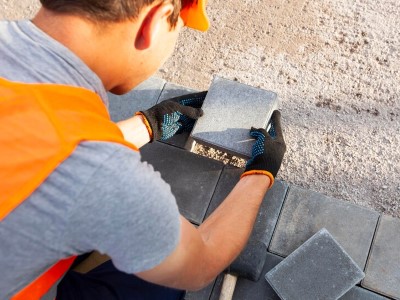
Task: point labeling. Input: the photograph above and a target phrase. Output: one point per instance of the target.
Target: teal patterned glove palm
(173, 116)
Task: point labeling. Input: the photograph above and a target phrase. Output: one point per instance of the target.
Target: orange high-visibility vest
(40, 126)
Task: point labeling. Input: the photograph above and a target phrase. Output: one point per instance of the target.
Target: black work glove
(268, 150)
(173, 116)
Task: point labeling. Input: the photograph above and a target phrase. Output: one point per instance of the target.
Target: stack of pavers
(319, 236)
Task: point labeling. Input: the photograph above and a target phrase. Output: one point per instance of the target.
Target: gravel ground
(335, 66)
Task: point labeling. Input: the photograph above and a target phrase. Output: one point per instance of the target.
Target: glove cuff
(147, 124)
(260, 172)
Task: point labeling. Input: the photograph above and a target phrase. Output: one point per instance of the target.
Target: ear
(154, 21)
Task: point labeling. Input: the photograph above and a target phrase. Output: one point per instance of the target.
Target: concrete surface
(230, 110)
(318, 269)
(142, 97)
(335, 66)
(193, 190)
(382, 274)
(305, 212)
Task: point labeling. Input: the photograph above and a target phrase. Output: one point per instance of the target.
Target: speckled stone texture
(383, 268)
(230, 110)
(318, 269)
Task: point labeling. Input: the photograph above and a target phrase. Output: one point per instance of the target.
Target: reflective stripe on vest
(40, 126)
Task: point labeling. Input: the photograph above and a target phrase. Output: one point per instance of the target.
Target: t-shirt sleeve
(133, 218)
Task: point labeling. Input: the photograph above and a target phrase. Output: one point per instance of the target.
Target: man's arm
(204, 252)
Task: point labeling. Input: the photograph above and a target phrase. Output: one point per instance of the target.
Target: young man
(72, 181)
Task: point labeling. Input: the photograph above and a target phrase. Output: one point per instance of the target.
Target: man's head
(122, 41)
(108, 11)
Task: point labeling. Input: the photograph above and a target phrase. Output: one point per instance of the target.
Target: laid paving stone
(230, 110)
(250, 262)
(170, 91)
(306, 212)
(250, 290)
(193, 178)
(203, 294)
(142, 97)
(318, 269)
(383, 268)
(357, 293)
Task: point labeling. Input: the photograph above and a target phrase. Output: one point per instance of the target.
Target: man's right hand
(173, 116)
(268, 150)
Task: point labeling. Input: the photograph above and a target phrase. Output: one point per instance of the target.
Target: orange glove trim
(260, 172)
(146, 123)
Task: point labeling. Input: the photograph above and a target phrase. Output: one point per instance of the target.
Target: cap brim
(195, 16)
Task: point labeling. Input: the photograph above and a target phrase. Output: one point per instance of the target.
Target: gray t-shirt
(100, 198)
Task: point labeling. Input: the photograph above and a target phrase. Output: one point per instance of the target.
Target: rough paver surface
(358, 293)
(305, 212)
(171, 90)
(383, 268)
(193, 178)
(142, 97)
(318, 269)
(230, 110)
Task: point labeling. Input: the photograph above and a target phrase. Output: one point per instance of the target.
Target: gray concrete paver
(142, 97)
(230, 110)
(319, 269)
(306, 212)
(192, 177)
(383, 268)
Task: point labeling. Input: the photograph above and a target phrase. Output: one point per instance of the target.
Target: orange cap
(194, 15)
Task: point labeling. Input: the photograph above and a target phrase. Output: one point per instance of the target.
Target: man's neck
(102, 49)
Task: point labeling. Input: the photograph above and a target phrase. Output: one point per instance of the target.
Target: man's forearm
(204, 252)
(226, 231)
(135, 131)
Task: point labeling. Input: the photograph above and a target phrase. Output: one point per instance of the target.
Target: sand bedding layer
(335, 66)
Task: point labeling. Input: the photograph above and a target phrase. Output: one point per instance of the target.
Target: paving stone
(318, 269)
(230, 110)
(142, 97)
(203, 294)
(357, 293)
(383, 268)
(306, 212)
(249, 290)
(250, 262)
(262, 290)
(193, 178)
(170, 91)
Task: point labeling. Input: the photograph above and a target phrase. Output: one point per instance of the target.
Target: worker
(72, 180)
